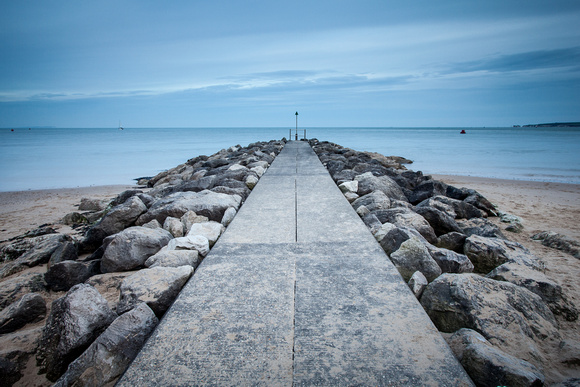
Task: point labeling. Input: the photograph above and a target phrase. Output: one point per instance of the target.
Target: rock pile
(122, 274)
(491, 294)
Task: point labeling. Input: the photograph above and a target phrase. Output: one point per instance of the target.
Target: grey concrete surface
(296, 292)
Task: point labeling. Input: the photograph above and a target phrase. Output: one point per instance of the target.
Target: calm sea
(53, 158)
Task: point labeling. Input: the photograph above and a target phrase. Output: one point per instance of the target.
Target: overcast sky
(254, 63)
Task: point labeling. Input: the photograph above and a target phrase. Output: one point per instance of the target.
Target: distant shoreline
(554, 125)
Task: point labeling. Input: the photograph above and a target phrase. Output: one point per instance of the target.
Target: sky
(230, 63)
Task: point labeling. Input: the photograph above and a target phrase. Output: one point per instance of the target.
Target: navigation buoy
(12, 130)
(462, 131)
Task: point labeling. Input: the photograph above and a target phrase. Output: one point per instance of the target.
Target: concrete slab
(296, 292)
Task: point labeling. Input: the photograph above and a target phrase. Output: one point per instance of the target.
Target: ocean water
(40, 158)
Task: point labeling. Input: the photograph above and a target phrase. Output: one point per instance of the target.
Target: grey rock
(362, 211)
(147, 199)
(558, 241)
(156, 286)
(124, 196)
(376, 200)
(349, 186)
(572, 382)
(477, 200)
(439, 220)
(450, 261)
(110, 354)
(418, 283)
(116, 220)
(153, 224)
(569, 352)
(351, 197)
(130, 248)
(368, 183)
(537, 282)
(413, 256)
(30, 252)
(206, 203)
(14, 288)
(452, 241)
(427, 189)
(395, 236)
(198, 243)
(174, 226)
(74, 322)
(372, 222)
(229, 215)
(488, 253)
(481, 227)
(30, 308)
(66, 274)
(108, 286)
(211, 230)
(404, 217)
(380, 233)
(251, 181)
(67, 251)
(174, 258)
(88, 204)
(488, 365)
(74, 218)
(511, 317)
(453, 207)
(190, 218)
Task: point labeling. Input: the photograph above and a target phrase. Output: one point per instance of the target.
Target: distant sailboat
(120, 127)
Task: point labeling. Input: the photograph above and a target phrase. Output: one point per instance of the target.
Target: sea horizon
(51, 157)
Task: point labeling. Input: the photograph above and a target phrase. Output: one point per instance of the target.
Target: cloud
(531, 60)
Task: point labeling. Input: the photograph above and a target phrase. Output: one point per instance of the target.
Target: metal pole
(296, 125)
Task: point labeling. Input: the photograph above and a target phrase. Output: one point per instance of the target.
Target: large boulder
(190, 218)
(509, 316)
(66, 274)
(558, 241)
(211, 230)
(130, 248)
(108, 286)
(452, 241)
(427, 189)
(537, 282)
(481, 227)
(413, 256)
(75, 320)
(174, 258)
(174, 226)
(450, 261)
(367, 183)
(110, 354)
(453, 207)
(156, 286)
(207, 203)
(30, 308)
(487, 365)
(30, 252)
(376, 200)
(67, 251)
(116, 220)
(14, 288)
(392, 237)
(488, 253)
(439, 220)
(404, 217)
(198, 243)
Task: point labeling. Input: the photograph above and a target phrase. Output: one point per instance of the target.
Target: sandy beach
(26, 210)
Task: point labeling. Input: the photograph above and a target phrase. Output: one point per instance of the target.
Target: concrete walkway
(296, 292)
